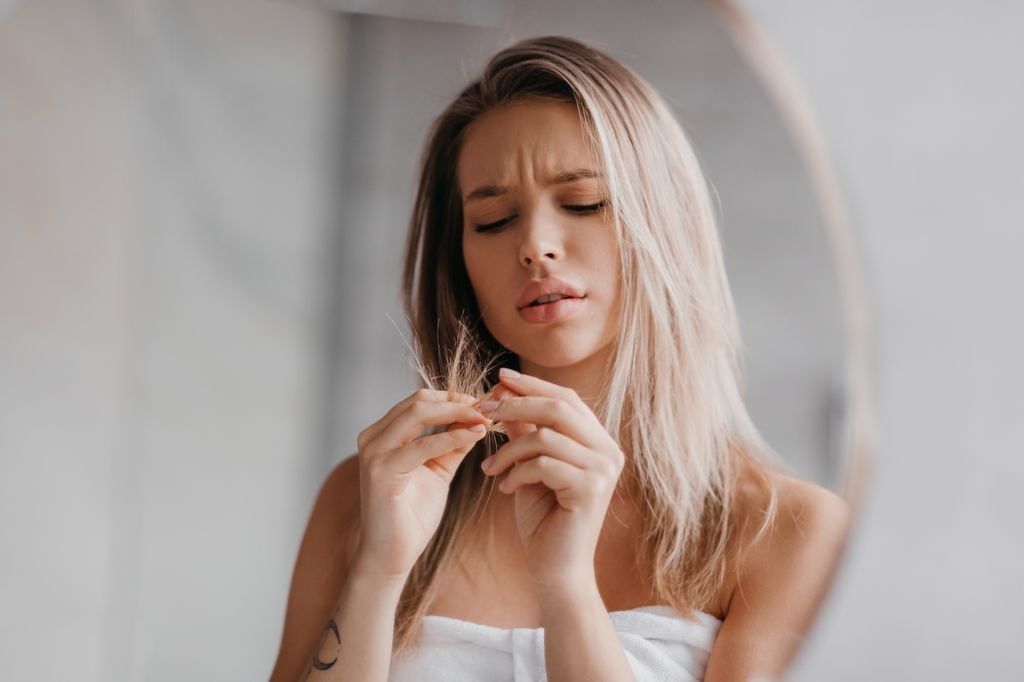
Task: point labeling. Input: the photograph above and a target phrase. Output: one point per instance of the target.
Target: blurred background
(202, 210)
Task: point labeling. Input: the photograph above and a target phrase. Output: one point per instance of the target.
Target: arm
(580, 642)
(357, 639)
(335, 609)
(780, 586)
(340, 626)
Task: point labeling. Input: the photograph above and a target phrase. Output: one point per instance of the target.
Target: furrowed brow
(574, 175)
(488, 191)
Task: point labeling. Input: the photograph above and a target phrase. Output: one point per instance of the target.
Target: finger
(371, 432)
(475, 402)
(517, 430)
(543, 411)
(531, 385)
(555, 474)
(424, 413)
(511, 429)
(501, 391)
(497, 392)
(541, 442)
(412, 455)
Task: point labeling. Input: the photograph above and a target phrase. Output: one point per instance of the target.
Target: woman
(641, 527)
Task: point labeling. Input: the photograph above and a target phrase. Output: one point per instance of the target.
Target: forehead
(523, 142)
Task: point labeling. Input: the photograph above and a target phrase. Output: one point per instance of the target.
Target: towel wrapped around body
(660, 645)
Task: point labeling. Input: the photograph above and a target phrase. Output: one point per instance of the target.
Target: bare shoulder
(809, 516)
(321, 567)
(802, 542)
(781, 576)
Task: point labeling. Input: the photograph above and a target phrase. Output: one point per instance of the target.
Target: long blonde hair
(673, 394)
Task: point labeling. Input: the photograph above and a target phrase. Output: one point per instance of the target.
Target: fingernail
(478, 428)
(488, 406)
(508, 372)
(486, 464)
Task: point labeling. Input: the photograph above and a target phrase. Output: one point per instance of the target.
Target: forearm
(580, 642)
(357, 640)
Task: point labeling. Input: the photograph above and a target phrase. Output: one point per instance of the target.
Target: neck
(584, 377)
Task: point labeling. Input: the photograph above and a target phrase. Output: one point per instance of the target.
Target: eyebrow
(487, 191)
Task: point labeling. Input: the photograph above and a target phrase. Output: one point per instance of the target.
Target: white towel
(660, 645)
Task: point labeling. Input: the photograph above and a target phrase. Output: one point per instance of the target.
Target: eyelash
(575, 208)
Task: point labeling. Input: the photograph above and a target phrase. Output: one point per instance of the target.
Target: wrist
(367, 575)
(576, 586)
(579, 600)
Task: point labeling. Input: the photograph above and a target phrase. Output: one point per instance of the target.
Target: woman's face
(532, 204)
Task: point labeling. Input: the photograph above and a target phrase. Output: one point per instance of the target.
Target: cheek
(471, 259)
(606, 253)
(602, 255)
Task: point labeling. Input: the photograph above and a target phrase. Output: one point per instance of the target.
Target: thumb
(448, 463)
(513, 429)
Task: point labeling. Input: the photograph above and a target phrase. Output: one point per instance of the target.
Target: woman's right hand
(404, 477)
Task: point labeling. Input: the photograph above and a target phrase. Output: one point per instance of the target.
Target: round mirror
(780, 250)
(204, 211)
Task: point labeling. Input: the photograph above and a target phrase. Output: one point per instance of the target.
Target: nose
(541, 242)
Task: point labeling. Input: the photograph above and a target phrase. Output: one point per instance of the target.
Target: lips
(536, 288)
(556, 311)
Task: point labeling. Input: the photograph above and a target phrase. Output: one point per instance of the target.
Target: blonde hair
(673, 394)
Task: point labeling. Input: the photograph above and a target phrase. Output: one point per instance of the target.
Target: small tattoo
(327, 665)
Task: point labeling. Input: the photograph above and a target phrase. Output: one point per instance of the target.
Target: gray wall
(164, 196)
(180, 336)
(401, 74)
(922, 107)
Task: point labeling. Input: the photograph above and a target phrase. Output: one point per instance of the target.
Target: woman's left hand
(563, 469)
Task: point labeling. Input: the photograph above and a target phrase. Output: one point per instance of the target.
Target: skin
(560, 467)
(523, 147)
(544, 216)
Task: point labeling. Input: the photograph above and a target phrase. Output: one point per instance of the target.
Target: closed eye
(589, 208)
(578, 209)
(490, 226)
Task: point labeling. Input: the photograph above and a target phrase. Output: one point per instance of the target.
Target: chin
(550, 352)
(553, 360)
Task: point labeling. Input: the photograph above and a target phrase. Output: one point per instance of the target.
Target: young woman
(641, 528)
